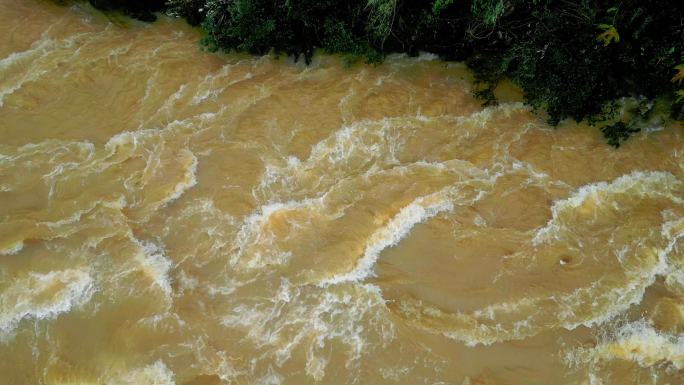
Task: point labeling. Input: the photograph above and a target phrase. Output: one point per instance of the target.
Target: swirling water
(171, 216)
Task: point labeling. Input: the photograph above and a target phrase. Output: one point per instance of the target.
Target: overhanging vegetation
(572, 59)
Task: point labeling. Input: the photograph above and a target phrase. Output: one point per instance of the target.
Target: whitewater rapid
(171, 216)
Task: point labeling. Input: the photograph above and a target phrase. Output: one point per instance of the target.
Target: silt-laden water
(170, 216)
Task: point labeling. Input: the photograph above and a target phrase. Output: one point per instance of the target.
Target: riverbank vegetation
(572, 58)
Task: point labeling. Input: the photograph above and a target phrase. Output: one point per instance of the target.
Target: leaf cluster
(572, 58)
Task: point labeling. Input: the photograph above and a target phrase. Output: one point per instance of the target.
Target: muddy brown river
(171, 216)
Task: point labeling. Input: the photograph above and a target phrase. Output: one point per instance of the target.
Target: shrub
(143, 10)
(571, 58)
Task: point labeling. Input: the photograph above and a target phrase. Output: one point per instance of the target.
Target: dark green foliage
(489, 11)
(572, 58)
(486, 95)
(191, 10)
(143, 10)
(618, 132)
(562, 65)
(290, 27)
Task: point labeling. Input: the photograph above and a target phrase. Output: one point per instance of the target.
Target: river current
(170, 216)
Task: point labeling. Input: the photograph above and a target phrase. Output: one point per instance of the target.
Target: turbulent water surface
(170, 216)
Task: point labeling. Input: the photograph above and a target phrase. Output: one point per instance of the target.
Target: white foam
(609, 303)
(652, 184)
(12, 248)
(427, 56)
(636, 341)
(43, 296)
(297, 320)
(154, 264)
(389, 235)
(467, 328)
(154, 374)
(270, 378)
(252, 232)
(38, 48)
(599, 303)
(205, 90)
(673, 231)
(44, 56)
(189, 178)
(351, 150)
(402, 59)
